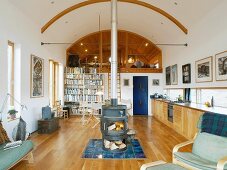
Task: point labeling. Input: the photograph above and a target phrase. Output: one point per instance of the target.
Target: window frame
(12, 70)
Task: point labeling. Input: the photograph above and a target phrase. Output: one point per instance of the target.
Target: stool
(65, 114)
(161, 165)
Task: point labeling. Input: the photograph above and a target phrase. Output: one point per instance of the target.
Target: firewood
(112, 127)
(113, 146)
(122, 146)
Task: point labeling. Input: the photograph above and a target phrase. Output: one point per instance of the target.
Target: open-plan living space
(113, 84)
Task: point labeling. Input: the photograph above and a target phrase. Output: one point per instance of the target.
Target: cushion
(11, 156)
(214, 123)
(167, 166)
(210, 147)
(3, 135)
(196, 161)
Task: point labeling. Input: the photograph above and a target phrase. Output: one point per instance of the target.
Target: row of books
(74, 91)
(79, 98)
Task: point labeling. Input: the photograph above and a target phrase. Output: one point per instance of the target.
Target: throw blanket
(214, 123)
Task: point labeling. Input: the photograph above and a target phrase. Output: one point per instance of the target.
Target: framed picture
(37, 76)
(155, 82)
(186, 72)
(168, 75)
(203, 70)
(221, 66)
(174, 78)
(126, 82)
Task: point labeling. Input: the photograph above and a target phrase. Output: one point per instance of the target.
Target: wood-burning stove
(114, 120)
(114, 127)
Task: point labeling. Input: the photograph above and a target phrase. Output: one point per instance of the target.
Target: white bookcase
(83, 89)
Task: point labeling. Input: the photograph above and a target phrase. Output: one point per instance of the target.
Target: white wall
(18, 28)
(206, 38)
(127, 91)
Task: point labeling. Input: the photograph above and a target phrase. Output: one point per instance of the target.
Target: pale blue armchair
(209, 151)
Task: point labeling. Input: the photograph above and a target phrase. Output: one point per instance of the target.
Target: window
(10, 52)
(193, 95)
(55, 82)
(219, 95)
(201, 96)
(175, 93)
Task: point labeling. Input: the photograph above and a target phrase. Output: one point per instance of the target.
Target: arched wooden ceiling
(89, 2)
(129, 44)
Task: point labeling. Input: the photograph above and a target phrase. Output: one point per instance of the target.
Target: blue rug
(94, 150)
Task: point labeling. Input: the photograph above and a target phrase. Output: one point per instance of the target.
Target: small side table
(48, 126)
(161, 165)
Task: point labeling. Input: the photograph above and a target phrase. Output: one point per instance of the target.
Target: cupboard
(184, 118)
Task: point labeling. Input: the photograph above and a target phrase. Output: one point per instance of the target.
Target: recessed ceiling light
(146, 44)
(81, 44)
(86, 50)
(95, 57)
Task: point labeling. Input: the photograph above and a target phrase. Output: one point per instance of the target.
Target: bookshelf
(82, 89)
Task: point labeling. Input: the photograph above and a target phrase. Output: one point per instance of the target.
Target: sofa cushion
(11, 156)
(3, 135)
(210, 147)
(167, 166)
(196, 161)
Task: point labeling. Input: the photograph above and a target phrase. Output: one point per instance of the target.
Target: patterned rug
(94, 151)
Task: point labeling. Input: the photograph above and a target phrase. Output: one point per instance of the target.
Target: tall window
(55, 82)
(11, 71)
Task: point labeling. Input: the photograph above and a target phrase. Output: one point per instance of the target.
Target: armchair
(209, 151)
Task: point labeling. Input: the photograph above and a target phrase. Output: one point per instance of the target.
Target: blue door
(140, 95)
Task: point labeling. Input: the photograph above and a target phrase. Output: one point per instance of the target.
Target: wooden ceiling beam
(137, 2)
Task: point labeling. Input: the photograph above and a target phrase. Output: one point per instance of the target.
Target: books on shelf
(83, 87)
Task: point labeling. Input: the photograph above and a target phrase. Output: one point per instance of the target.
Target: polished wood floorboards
(63, 149)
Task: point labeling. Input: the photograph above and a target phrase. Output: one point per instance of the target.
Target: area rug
(94, 150)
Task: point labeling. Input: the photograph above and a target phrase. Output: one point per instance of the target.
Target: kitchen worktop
(201, 107)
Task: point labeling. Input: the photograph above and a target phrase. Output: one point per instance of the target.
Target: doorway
(140, 95)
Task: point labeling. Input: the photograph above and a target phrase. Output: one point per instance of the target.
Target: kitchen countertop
(202, 107)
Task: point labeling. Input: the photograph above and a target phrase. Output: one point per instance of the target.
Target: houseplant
(12, 112)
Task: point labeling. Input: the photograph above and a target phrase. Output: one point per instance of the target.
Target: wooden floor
(63, 149)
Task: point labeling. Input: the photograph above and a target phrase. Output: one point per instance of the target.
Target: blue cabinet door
(140, 95)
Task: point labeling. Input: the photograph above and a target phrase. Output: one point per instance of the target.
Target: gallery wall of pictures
(203, 70)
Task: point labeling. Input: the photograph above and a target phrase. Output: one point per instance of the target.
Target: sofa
(10, 157)
(209, 150)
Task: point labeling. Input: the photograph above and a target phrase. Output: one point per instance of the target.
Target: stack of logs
(112, 145)
(117, 126)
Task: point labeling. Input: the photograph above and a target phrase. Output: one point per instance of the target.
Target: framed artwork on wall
(174, 75)
(126, 82)
(168, 75)
(221, 66)
(186, 72)
(37, 77)
(155, 82)
(203, 70)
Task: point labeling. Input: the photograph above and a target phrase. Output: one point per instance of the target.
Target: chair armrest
(147, 165)
(177, 147)
(221, 163)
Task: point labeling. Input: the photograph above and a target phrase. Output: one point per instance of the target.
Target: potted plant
(12, 113)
